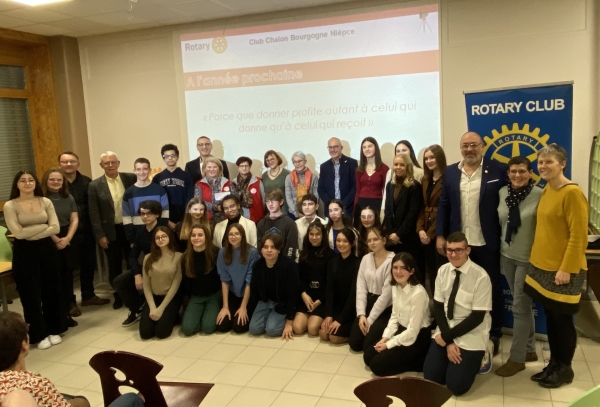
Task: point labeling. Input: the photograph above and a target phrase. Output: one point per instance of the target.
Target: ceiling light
(38, 2)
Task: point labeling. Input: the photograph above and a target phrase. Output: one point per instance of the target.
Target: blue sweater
(180, 189)
(132, 221)
(237, 275)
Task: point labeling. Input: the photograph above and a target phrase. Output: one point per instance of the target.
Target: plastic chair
(140, 373)
(413, 391)
(590, 398)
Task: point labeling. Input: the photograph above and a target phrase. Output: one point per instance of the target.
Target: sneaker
(486, 363)
(44, 344)
(95, 300)
(132, 318)
(55, 339)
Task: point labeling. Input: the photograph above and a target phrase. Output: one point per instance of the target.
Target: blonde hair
(215, 161)
(409, 178)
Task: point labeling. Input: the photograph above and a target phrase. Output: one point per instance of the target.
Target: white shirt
(374, 280)
(470, 188)
(247, 224)
(302, 225)
(411, 310)
(474, 294)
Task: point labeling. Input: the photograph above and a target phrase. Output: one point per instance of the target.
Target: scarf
(215, 188)
(513, 199)
(245, 196)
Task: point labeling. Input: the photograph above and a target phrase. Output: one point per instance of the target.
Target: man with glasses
(461, 303)
(468, 203)
(194, 167)
(83, 241)
(177, 183)
(337, 177)
(280, 223)
(233, 214)
(130, 284)
(105, 195)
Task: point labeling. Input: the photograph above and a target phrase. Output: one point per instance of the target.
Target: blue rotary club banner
(521, 121)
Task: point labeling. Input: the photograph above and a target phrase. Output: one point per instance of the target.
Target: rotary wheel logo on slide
(516, 141)
(219, 44)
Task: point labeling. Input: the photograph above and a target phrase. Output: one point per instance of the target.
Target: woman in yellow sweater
(557, 260)
(162, 277)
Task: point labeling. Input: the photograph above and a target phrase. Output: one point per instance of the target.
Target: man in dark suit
(468, 203)
(194, 167)
(337, 177)
(106, 214)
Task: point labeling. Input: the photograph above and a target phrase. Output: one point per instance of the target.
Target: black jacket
(401, 215)
(79, 190)
(287, 284)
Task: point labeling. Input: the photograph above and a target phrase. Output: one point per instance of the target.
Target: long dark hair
(362, 231)
(356, 242)
(307, 246)
(63, 191)
(363, 159)
(410, 263)
(347, 222)
(440, 160)
(244, 246)
(14, 189)
(412, 154)
(209, 252)
(155, 251)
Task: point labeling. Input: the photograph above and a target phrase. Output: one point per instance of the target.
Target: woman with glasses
(370, 178)
(275, 175)
(195, 214)
(250, 190)
(299, 182)
(212, 188)
(161, 273)
(368, 218)
(373, 293)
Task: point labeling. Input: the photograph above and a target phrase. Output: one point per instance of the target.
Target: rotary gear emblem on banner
(508, 143)
(219, 44)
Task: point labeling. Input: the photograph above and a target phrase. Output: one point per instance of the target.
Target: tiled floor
(259, 372)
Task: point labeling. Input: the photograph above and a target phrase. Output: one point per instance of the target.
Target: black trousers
(433, 261)
(84, 244)
(234, 302)
(36, 272)
(562, 336)
(490, 261)
(457, 377)
(117, 250)
(124, 285)
(164, 326)
(359, 342)
(399, 359)
(66, 263)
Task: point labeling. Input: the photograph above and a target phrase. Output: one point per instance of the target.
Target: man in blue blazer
(469, 204)
(342, 186)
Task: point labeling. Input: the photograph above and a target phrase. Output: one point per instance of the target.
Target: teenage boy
(84, 240)
(129, 285)
(460, 342)
(279, 223)
(177, 183)
(232, 208)
(310, 205)
(142, 190)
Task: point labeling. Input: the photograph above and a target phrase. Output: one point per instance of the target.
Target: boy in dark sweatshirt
(279, 223)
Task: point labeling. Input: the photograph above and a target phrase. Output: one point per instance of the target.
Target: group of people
(252, 254)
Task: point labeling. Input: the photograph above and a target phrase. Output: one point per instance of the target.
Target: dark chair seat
(413, 391)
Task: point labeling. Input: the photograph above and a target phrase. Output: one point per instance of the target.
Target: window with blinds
(15, 130)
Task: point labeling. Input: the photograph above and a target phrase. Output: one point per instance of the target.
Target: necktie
(453, 294)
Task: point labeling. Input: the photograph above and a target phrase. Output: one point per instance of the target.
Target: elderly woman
(299, 182)
(555, 276)
(275, 175)
(250, 190)
(212, 188)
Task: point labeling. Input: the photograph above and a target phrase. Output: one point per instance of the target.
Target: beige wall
(134, 106)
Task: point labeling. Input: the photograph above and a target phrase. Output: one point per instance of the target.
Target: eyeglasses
(472, 146)
(367, 216)
(243, 166)
(333, 148)
(373, 240)
(167, 156)
(68, 161)
(161, 237)
(204, 144)
(110, 163)
(270, 160)
(298, 162)
(458, 252)
(145, 214)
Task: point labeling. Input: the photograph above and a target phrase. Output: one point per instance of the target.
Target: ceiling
(77, 18)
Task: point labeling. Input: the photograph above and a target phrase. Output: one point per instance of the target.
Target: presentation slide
(291, 86)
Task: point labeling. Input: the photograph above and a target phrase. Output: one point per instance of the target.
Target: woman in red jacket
(212, 188)
(370, 178)
(250, 190)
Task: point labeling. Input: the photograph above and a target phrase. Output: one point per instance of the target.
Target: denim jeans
(524, 324)
(266, 320)
(128, 400)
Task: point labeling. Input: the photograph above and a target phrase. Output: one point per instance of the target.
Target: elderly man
(194, 167)
(105, 195)
(337, 177)
(468, 202)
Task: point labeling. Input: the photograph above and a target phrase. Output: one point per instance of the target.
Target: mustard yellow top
(561, 233)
